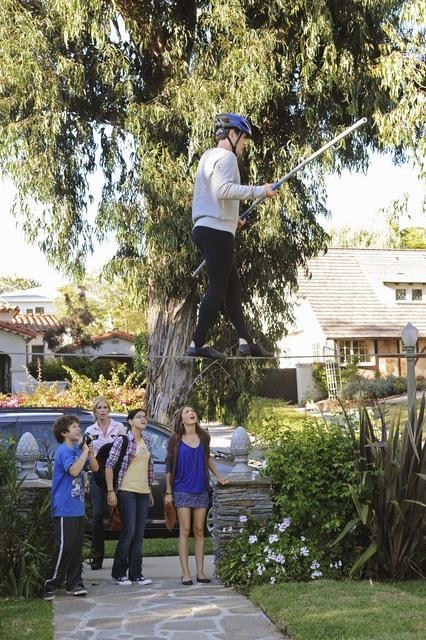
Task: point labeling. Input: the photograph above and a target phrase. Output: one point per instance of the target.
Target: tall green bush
(311, 469)
(389, 493)
(26, 539)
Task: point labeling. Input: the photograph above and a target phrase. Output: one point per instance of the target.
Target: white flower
(244, 557)
(304, 551)
(316, 574)
(229, 529)
(284, 524)
(264, 464)
(241, 530)
(260, 569)
(267, 549)
(272, 580)
(279, 558)
(302, 538)
(243, 518)
(315, 565)
(273, 538)
(252, 539)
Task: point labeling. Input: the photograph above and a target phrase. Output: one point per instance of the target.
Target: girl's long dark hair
(179, 429)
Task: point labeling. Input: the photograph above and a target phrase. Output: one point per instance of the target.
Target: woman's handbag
(170, 515)
(114, 519)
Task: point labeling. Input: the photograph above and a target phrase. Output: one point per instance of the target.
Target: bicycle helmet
(225, 121)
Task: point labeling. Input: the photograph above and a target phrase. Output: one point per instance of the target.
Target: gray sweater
(217, 191)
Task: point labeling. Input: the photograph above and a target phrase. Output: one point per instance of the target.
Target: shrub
(364, 388)
(274, 552)
(120, 390)
(25, 538)
(311, 470)
(267, 419)
(389, 493)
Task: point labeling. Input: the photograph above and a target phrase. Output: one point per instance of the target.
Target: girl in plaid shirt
(133, 497)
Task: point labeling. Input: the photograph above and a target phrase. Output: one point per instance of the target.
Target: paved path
(164, 609)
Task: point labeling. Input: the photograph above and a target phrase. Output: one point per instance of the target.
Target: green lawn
(160, 547)
(346, 610)
(25, 619)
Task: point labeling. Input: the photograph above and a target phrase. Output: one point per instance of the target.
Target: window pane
(400, 294)
(417, 294)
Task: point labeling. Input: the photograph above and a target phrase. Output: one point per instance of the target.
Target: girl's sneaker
(141, 580)
(123, 581)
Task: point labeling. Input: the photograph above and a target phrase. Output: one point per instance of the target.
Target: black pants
(67, 554)
(217, 248)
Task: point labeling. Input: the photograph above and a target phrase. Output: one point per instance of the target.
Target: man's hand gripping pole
(291, 173)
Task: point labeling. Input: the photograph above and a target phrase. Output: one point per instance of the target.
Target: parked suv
(39, 421)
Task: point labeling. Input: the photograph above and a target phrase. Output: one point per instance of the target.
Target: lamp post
(410, 335)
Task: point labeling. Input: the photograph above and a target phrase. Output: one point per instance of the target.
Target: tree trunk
(170, 327)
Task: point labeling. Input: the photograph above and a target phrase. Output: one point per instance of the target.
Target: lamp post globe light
(410, 335)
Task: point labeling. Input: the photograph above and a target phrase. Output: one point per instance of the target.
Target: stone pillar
(245, 493)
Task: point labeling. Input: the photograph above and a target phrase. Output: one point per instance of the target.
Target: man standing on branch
(215, 213)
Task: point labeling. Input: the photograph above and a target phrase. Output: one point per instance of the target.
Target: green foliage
(390, 499)
(140, 362)
(273, 552)
(311, 469)
(132, 88)
(25, 532)
(366, 388)
(14, 282)
(120, 390)
(268, 419)
(58, 368)
(227, 401)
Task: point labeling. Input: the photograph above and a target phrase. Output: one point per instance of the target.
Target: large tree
(133, 85)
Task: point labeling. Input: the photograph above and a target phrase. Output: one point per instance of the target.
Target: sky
(353, 198)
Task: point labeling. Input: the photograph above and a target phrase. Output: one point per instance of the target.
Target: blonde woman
(187, 485)
(104, 430)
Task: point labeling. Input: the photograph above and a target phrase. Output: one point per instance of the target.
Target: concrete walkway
(164, 609)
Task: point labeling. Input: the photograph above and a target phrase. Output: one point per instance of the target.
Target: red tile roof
(37, 321)
(115, 333)
(13, 328)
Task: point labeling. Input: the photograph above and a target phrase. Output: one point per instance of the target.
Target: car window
(159, 443)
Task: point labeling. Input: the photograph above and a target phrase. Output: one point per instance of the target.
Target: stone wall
(242, 495)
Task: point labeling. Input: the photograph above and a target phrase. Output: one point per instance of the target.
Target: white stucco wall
(305, 339)
(14, 345)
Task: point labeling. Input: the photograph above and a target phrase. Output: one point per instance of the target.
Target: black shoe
(186, 583)
(204, 580)
(48, 593)
(254, 350)
(205, 352)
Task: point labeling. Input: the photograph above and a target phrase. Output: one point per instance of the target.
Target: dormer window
(400, 294)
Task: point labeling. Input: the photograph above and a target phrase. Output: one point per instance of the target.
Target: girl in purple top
(187, 485)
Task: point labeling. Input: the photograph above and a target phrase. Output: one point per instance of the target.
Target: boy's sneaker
(48, 593)
(78, 590)
(142, 581)
(123, 581)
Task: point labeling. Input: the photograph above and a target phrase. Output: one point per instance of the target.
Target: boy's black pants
(67, 554)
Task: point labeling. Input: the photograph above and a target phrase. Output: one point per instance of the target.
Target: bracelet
(167, 493)
(110, 491)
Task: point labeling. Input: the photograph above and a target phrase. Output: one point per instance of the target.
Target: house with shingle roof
(354, 303)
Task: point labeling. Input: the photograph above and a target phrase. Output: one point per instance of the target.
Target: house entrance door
(5, 386)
